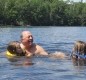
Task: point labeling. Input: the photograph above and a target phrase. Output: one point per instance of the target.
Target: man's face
(27, 38)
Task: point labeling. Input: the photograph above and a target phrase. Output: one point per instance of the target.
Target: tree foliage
(42, 12)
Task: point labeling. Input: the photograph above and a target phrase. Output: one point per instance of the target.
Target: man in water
(31, 48)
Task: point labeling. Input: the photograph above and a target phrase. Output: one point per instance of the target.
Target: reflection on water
(43, 68)
(80, 65)
(80, 62)
(20, 61)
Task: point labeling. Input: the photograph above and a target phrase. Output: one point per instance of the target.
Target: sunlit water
(52, 39)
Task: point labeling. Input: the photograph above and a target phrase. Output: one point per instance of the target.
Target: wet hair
(79, 48)
(14, 48)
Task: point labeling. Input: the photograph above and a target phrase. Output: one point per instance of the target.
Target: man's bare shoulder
(38, 46)
(40, 50)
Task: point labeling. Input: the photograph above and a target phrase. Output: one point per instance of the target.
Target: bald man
(31, 48)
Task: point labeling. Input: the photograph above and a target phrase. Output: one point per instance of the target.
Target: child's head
(14, 48)
(79, 48)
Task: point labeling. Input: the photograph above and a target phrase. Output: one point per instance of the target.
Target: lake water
(52, 39)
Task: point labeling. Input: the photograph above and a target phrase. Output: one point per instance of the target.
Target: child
(14, 49)
(79, 50)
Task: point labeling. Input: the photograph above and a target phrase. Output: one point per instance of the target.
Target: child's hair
(79, 49)
(14, 48)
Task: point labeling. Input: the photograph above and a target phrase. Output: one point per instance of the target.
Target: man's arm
(41, 51)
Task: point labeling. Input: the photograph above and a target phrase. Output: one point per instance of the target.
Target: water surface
(52, 39)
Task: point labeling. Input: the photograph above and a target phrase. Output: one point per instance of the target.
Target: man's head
(14, 48)
(26, 38)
